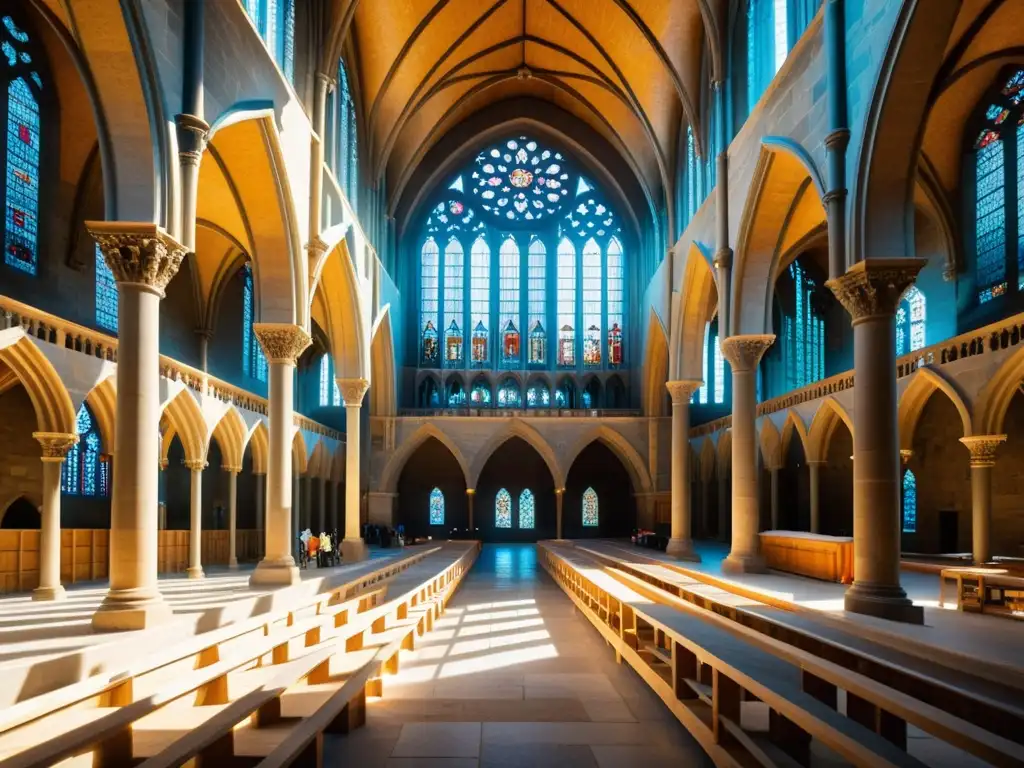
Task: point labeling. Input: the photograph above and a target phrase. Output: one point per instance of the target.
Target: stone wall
(21, 471)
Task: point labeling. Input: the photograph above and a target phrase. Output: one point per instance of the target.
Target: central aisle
(512, 676)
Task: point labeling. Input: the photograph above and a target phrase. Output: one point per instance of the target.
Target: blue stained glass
(436, 507)
(9, 53)
(16, 33)
(1020, 204)
(909, 502)
(83, 424)
(508, 394)
(990, 217)
(702, 393)
(480, 299)
(503, 510)
(247, 334)
(336, 396)
(719, 371)
(106, 294)
(69, 470)
(288, 41)
(566, 301)
(325, 378)
(508, 303)
(526, 509)
(90, 464)
(590, 511)
(83, 472)
(22, 219)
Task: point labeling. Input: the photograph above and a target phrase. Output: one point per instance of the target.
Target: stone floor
(513, 676)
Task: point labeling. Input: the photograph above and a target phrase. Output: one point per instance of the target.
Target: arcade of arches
(542, 270)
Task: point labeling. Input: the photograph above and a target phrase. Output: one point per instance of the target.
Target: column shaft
(705, 507)
(55, 446)
(775, 497)
(981, 512)
(724, 518)
(470, 495)
(322, 507)
(814, 467)
(232, 518)
(680, 544)
(195, 534)
(354, 548)
(559, 498)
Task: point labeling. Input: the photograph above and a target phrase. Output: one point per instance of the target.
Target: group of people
(384, 536)
(320, 549)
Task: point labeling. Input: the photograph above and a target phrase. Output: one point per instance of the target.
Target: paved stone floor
(513, 676)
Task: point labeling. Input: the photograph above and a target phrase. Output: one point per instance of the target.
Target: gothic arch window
(454, 304)
(508, 301)
(910, 321)
(909, 502)
(538, 395)
(480, 301)
(85, 471)
(590, 508)
(429, 291)
(341, 143)
(254, 362)
(803, 329)
(480, 394)
(22, 116)
(592, 304)
(713, 388)
(526, 510)
(537, 302)
(998, 159)
(436, 507)
(566, 304)
(456, 393)
(503, 509)
(330, 394)
(275, 22)
(106, 294)
(767, 45)
(508, 394)
(616, 287)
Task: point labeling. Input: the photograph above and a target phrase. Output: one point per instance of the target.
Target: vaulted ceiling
(628, 69)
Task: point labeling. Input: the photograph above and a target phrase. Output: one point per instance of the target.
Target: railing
(46, 327)
(533, 413)
(990, 339)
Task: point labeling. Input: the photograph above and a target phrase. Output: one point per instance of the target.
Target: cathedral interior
(512, 383)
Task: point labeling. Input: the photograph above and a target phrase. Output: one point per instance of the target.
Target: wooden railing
(990, 339)
(46, 327)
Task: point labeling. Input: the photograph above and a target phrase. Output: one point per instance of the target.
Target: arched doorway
(432, 467)
(501, 509)
(597, 475)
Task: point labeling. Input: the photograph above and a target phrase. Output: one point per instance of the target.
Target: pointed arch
(407, 447)
(258, 441)
(828, 415)
(522, 430)
(50, 399)
(707, 459)
(183, 417)
(231, 435)
(300, 454)
(994, 399)
(925, 383)
(622, 449)
(698, 299)
(770, 443)
(655, 367)
(724, 453)
(102, 401)
(320, 462)
(383, 394)
(338, 307)
(793, 425)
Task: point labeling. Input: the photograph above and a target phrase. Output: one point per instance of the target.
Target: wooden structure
(983, 590)
(829, 558)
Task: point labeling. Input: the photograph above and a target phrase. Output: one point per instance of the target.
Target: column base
(125, 610)
(49, 593)
(195, 573)
(744, 563)
(682, 549)
(233, 564)
(354, 551)
(275, 573)
(883, 602)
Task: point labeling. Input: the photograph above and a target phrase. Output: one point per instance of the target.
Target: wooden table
(829, 558)
(983, 590)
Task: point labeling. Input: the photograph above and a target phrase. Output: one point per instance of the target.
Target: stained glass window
(537, 308)
(592, 304)
(519, 180)
(24, 88)
(106, 294)
(508, 394)
(325, 379)
(503, 510)
(910, 321)
(990, 218)
(590, 516)
(702, 393)
(429, 289)
(275, 22)
(615, 306)
(909, 502)
(456, 394)
(254, 362)
(436, 507)
(454, 306)
(508, 305)
(719, 369)
(1020, 202)
(526, 509)
(480, 300)
(538, 396)
(480, 395)
(84, 471)
(566, 304)
(802, 347)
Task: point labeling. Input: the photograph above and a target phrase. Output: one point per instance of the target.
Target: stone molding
(232, 469)
(193, 134)
(682, 389)
(138, 253)
(196, 464)
(983, 449)
(873, 287)
(352, 391)
(282, 342)
(745, 352)
(55, 444)
(905, 455)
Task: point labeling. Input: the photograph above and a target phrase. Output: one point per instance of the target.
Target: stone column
(983, 457)
(260, 490)
(55, 447)
(296, 507)
(814, 468)
(195, 533)
(723, 506)
(282, 344)
(559, 498)
(680, 545)
(744, 353)
(353, 548)
(322, 506)
(774, 471)
(470, 495)
(232, 515)
(870, 291)
(161, 515)
(705, 506)
(143, 259)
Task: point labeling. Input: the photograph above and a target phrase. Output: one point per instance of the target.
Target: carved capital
(745, 352)
(232, 469)
(352, 390)
(723, 258)
(55, 444)
(196, 465)
(281, 342)
(316, 248)
(193, 133)
(983, 449)
(873, 287)
(139, 253)
(949, 273)
(905, 455)
(681, 390)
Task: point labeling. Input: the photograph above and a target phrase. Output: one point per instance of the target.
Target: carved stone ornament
(983, 449)
(193, 134)
(744, 352)
(681, 390)
(352, 390)
(905, 455)
(231, 469)
(55, 444)
(281, 342)
(196, 465)
(138, 253)
(873, 287)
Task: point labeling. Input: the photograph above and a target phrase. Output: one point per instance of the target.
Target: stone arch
(383, 394)
(320, 461)
(300, 456)
(994, 399)
(723, 462)
(393, 469)
(923, 385)
(655, 370)
(337, 307)
(231, 436)
(698, 298)
(783, 206)
(770, 443)
(20, 512)
(828, 415)
(102, 401)
(793, 425)
(529, 435)
(50, 399)
(621, 447)
(707, 459)
(258, 441)
(184, 418)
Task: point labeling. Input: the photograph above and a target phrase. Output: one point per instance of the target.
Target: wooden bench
(983, 590)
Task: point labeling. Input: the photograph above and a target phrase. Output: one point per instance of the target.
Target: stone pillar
(306, 519)
(983, 457)
(161, 515)
(774, 471)
(744, 353)
(296, 507)
(870, 291)
(195, 533)
(723, 506)
(143, 259)
(705, 506)
(55, 447)
(232, 515)
(260, 490)
(322, 506)
(353, 548)
(282, 344)
(814, 467)
(332, 508)
(559, 498)
(680, 545)
(470, 495)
